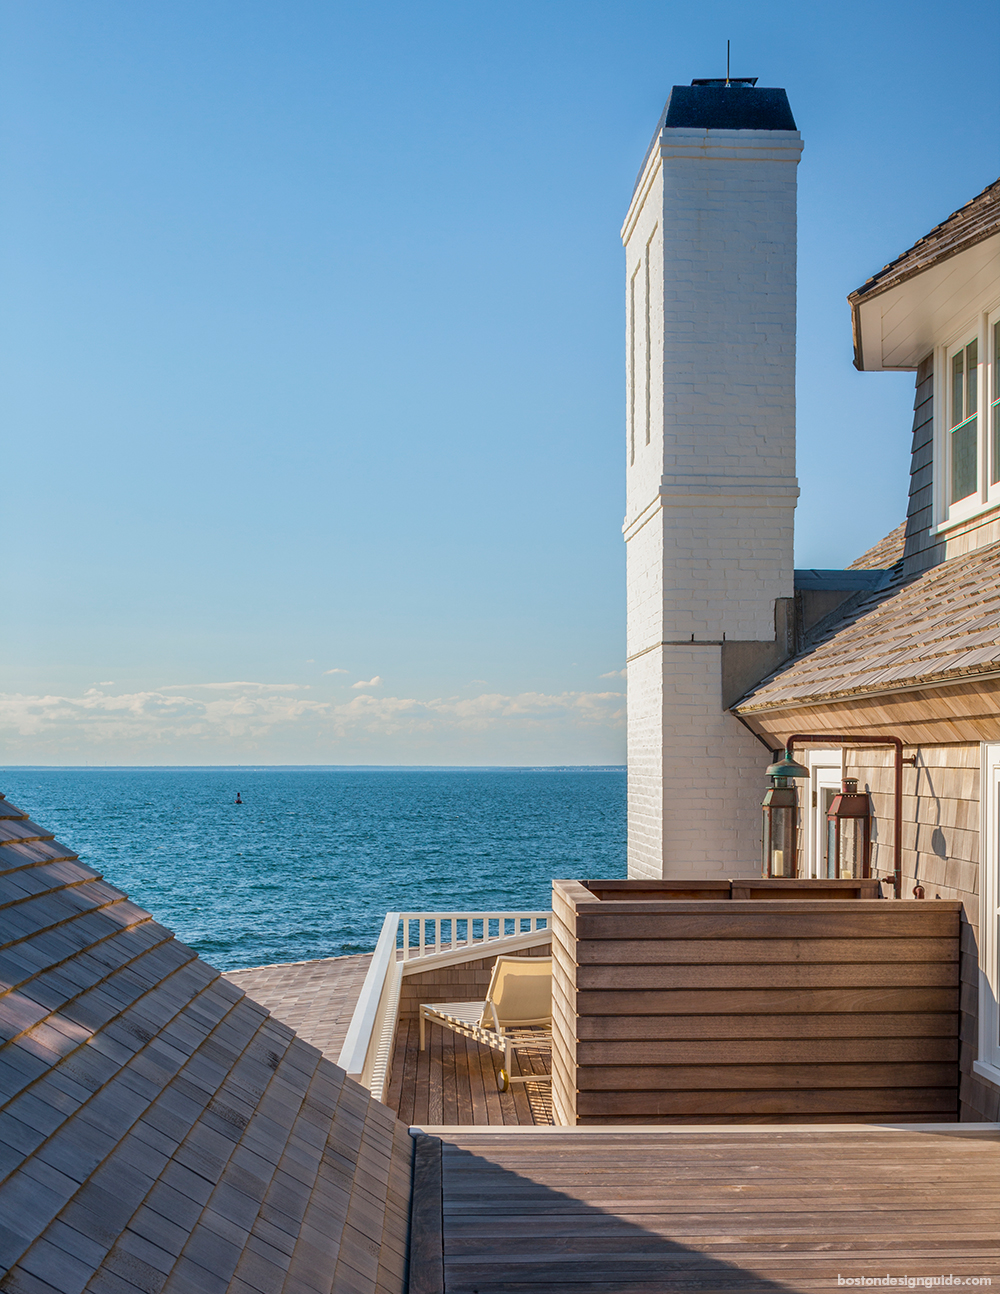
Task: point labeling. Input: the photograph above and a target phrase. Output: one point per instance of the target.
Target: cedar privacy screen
(770, 1001)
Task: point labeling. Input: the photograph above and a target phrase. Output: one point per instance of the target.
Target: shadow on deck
(736, 1210)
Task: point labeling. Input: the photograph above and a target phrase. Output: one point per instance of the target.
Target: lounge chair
(516, 1016)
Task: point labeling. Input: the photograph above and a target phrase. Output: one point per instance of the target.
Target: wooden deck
(742, 1208)
(454, 1081)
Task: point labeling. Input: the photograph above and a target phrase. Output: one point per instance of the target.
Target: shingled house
(916, 655)
(162, 1132)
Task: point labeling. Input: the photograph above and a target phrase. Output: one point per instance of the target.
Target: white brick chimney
(711, 489)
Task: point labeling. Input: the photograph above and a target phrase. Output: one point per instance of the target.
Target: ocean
(312, 860)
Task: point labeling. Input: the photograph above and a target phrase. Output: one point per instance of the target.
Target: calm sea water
(313, 859)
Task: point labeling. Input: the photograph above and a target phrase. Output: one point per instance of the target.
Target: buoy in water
(239, 799)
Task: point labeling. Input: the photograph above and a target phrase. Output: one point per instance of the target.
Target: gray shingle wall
(159, 1130)
(922, 550)
(941, 808)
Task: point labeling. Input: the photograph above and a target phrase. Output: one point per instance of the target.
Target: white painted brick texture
(710, 447)
(695, 773)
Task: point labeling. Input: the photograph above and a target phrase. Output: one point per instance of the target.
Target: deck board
(454, 1082)
(738, 1208)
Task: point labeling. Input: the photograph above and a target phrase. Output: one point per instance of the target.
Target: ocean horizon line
(320, 768)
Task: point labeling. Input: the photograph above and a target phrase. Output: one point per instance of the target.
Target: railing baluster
(429, 937)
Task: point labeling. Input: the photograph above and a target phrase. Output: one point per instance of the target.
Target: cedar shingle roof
(884, 554)
(161, 1132)
(942, 626)
(317, 998)
(977, 220)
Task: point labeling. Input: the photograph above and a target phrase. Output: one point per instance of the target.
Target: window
(964, 435)
(995, 409)
(988, 1063)
(967, 422)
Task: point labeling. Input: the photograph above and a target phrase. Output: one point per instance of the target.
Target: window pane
(957, 402)
(971, 378)
(963, 460)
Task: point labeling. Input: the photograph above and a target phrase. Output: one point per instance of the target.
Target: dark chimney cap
(713, 105)
(716, 81)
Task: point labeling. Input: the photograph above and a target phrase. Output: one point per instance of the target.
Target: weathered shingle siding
(922, 549)
(941, 817)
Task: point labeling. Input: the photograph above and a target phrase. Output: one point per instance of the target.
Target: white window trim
(815, 761)
(987, 497)
(991, 390)
(988, 1063)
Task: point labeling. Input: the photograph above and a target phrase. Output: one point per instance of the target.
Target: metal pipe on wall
(833, 739)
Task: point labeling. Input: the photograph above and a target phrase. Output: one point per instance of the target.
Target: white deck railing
(412, 942)
(426, 933)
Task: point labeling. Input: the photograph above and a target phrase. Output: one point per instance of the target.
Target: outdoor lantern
(849, 834)
(781, 818)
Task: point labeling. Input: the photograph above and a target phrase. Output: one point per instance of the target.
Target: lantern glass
(847, 848)
(848, 827)
(780, 831)
(783, 841)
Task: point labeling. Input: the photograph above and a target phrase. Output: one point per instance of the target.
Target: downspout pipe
(833, 739)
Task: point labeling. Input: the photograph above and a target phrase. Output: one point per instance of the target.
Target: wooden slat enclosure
(752, 1010)
(797, 889)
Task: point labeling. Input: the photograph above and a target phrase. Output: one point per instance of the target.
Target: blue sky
(311, 353)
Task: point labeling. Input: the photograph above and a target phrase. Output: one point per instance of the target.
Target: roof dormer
(939, 304)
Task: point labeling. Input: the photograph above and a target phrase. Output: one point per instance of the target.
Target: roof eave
(897, 322)
(916, 684)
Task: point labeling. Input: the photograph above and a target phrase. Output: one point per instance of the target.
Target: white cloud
(335, 671)
(109, 683)
(222, 723)
(374, 682)
(616, 673)
(230, 687)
